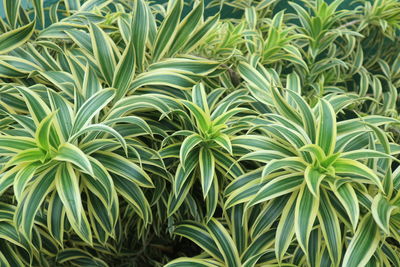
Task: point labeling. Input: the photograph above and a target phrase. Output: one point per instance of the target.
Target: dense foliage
(144, 133)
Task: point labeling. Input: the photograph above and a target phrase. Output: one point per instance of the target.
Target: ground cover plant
(200, 133)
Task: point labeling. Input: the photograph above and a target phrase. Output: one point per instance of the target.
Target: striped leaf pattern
(199, 133)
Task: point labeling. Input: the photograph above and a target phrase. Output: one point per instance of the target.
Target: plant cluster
(148, 133)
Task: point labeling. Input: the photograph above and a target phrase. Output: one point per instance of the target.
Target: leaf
(185, 261)
(64, 114)
(187, 146)
(28, 155)
(257, 81)
(201, 33)
(199, 97)
(175, 78)
(186, 27)
(100, 128)
(363, 244)
(37, 107)
(207, 166)
(349, 166)
(42, 135)
(284, 108)
(289, 162)
(124, 167)
(16, 144)
(285, 230)
(39, 12)
(22, 178)
(224, 243)
(313, 179)
(134, 195)
(70, 153)
(306, 113)
(305, 214)
(30, 204)
(330, 228)
(381, 210)
(277, 187)
(183, 173)
(349, 200)
(68, 190)
(167, 30)
(15, 38)
(140, 31)
(137, 121)
(11, 8)
(124, 72)
(55, 217)
(103, 51)
(326, 137)
(224, 141)
(199, 235)
(91, 107)
(202, 119)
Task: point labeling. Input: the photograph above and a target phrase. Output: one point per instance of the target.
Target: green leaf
(313, 179)
(37, 107)
(207, 166)
(199, 97)
(140, 31)
(39, 12)
(348, 199)
(134, 195)
(31, 201)
(349, 166)
(55, 217)
(22, 178)
(91, 107)
(16, 144)
(15, 38)
(201, 33)
(137, 121)
(224, 141)
(330, 228)
(125, 71)
(42, 135)
(100, 128)
(11, 8)
(28, 155)
(381, 210)
(175, 78)
(67, 186)
(187, 146)
(124, 167)
(277, 187)
(199, 235)
(259, 85)
(185, 261)
(224, 243)
(167, 31)
(186, 27)
(64, 114)
(103, 48)
(363, 244)
(326, 137)
(286, 163)
(306, 113)
(285, 230)
(305, 214)
(283, 107)
(202, 119)
(70, 153)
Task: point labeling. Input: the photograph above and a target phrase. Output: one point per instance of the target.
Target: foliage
(160, 134)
